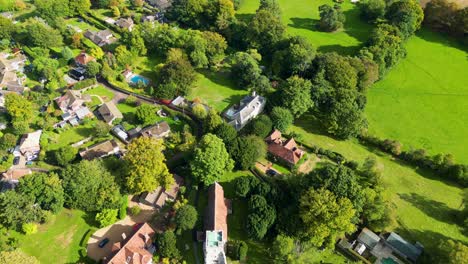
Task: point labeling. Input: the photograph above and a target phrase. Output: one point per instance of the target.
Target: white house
(248, 108)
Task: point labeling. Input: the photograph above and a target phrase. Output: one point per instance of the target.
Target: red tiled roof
(217, 210)
(134, 250)
(83, 58)
(287, 151)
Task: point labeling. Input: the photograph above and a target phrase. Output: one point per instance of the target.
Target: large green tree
(186, 217)
(180, 74)
(372, 9)
(17, 209)
(42, 35)
(282, 248)
(146, 114)
(188, 12)
(407, 15)
(52, 10)
(294, 56)
(245, 69)
(89, 186)
(65, 155)
(296, 95)
(6, 28)
(245, 151)
(16, 256)
(261, 217)
(457, 252)
(325, 217)
(265, 30)
(167, 245)
(210, 160)
(43, 189)
(146, 167)
(282, 118)
(331, 18)
(80, 7)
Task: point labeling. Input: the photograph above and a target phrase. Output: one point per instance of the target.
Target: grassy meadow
(301, 17)
(423, 101)
(425, 205)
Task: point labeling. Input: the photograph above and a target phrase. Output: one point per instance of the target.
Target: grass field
(217, 90)
(426, 207)
(58, 241)
(104, 93)
(301, 17)
(423, 101)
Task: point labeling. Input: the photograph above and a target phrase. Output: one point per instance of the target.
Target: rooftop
(100, 150)
(135, 249)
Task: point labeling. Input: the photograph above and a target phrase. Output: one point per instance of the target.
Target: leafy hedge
(84, 84)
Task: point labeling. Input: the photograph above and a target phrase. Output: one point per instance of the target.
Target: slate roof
(109, 112)
(369, 238)
(100, 150)
(404, 247)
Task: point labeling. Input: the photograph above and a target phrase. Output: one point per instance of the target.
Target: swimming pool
(135, 79)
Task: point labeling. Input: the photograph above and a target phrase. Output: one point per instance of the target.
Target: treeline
(447, 16)
(441, 164)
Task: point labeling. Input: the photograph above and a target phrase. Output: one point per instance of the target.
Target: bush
(135, 210)
(123, 207)
(29, 228)
(243, 249)
(107, 217)
(84, 84)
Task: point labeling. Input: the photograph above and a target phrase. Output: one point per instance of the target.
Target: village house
(160, 196)
(388, 249)
(100, 38)
(248, 108)
(158, 130)
(216, 229)
(120, 133)
(138, 248)
(71, 101)
(29, 145)
(286, 151)
(10, 179)
(125, 23)
(109, 112)
(162, 5)
(83, 59)
(100, 150)
(77, 73)
(10, 66)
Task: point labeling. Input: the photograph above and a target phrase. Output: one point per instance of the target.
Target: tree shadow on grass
(311, 124)
(441, 38)
(304, 23)
(221, 77)
(345, 50)
(84, 131)
(431, 208)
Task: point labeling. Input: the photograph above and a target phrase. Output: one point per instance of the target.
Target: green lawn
(423, 101)
(217, 90)
(104, 93)
(71, 135)
(81, 25)
(301, 17)
(425, 205)
(58, 241)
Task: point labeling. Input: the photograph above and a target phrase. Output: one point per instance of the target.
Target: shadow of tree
(304, 23)
(339, 48)
(431, 208)
(245, 17)
(441, 38)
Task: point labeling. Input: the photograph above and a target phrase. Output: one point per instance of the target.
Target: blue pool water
(138, 78)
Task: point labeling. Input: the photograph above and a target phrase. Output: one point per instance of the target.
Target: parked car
(271, 172)
(16, 160)
(103, 242)
(29, 163)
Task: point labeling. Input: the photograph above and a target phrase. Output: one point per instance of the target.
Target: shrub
(107, 217)
(243, 249)
(123, 207)
(29, 228)
(135, 210)
(84, 84)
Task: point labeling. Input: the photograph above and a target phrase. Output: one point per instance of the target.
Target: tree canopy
(43, 189)
(210, 160)
(186, 217)
(146, 167)
(296, 95)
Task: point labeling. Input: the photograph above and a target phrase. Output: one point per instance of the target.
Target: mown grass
(58, 241)
(301, 18)
(426, 205)
(423, 101)
(104, 93)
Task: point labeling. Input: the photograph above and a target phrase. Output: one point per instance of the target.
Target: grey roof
(109, 112)
(369, 238)
(404, 247)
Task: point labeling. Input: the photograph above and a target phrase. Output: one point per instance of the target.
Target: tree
(227, 133)
(67, 53)
(17, 256)
(138, 3)
(43, 189)
(6, 28)
(107, 217)
(42, 35)
(296, 95)
(281, 118)
(188, 12)
(17, 209)
(93, 68)
(325, 217)
(331, 18)
(101, 129)
(89, 186)
(65, 155)
(29, 228)
(407, 15)
(244, 185)
(216, 45)
(456, 252)
(180, 73)
(282, 248)
(52, 10)
(265, 30)
(245, 69)
(199, 111)
(80, 7)
(294, 56)
(261, 126)
(210, 160)
(115, 11)
(186, 217)
(8, 141)
(146, 168)
(123, 56)
(146, 114)
(212, 121)
(247, 150)
(372, 10)
(18, 107)
(261, 217)
(167, 245)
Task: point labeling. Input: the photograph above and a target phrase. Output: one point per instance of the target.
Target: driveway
(116, 232)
